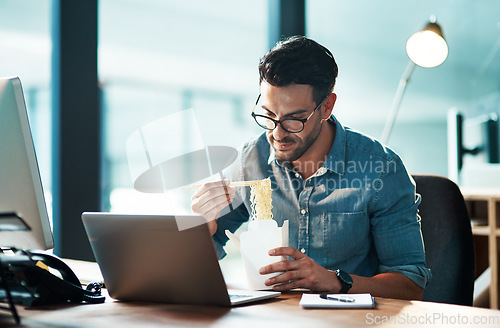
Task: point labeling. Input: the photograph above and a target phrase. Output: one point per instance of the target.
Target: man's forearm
(390, 285)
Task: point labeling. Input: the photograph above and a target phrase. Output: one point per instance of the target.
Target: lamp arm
(396, 102)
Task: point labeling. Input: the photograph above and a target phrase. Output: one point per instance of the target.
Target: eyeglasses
(292, 125)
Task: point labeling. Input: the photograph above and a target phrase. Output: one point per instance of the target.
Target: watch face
(345, 277)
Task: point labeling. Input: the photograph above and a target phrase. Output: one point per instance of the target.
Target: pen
(341, 298)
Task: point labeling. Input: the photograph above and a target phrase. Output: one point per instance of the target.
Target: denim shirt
(357, 213)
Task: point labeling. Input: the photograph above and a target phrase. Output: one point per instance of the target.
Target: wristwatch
(345, 280)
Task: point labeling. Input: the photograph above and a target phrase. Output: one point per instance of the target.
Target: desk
(281, 312)
(276, 313)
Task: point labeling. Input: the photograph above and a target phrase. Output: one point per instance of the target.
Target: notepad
(337, 301)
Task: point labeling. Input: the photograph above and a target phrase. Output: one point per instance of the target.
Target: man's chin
(285, 155)
(285, 152)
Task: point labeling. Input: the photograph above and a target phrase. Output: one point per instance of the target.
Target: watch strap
(346, 285)
(345, 288)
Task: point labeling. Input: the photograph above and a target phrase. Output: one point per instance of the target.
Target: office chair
(447, 235)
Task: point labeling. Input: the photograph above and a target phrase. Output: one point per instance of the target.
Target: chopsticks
(232, 184)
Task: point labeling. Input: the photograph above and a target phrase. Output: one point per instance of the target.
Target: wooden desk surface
(280, 312)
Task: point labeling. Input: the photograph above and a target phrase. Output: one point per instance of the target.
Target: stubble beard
(299, 146)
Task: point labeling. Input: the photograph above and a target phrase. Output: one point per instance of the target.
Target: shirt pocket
(346, 234)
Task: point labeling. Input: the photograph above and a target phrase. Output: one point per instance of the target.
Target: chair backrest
(447, 235)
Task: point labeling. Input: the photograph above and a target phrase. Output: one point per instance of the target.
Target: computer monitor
(20, 184)
(477, 137)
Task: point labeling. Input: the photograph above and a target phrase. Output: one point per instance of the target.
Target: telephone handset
(31, 283)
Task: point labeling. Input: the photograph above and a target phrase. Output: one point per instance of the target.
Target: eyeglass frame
(280, 122)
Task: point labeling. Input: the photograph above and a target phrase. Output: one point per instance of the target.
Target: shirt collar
(336, 158)
(272, 156)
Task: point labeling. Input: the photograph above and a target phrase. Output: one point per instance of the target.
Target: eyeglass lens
(291, 125)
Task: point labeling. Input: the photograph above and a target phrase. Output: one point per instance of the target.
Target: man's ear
(328, 105)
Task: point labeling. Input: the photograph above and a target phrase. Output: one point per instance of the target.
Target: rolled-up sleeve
(396, 226)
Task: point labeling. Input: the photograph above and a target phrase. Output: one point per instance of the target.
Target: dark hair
(302, 61)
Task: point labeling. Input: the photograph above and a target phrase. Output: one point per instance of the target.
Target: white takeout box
(254, 244)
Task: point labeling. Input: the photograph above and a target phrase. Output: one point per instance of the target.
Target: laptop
(147, 258)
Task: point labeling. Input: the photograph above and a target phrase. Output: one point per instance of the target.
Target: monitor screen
(20, 184)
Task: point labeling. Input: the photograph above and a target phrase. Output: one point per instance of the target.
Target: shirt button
(322, 170)
(303, 211)
(297, 175)
(303, 250)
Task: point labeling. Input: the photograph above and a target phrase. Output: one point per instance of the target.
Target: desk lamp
(426, 48)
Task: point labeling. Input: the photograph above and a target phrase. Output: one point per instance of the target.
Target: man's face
(293, 101)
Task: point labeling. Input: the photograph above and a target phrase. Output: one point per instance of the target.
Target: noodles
(261, 201)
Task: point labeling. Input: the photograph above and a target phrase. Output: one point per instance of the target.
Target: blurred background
(158, 57)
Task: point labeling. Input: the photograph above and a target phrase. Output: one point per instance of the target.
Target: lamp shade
(427, 48)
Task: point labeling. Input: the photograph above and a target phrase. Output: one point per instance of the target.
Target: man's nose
(279, 133)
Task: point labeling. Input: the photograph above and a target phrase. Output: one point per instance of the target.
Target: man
(350, 202)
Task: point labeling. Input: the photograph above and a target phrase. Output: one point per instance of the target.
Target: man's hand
(304, 272)
(210, 199)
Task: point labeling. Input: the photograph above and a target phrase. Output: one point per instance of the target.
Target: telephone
(27, 277)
